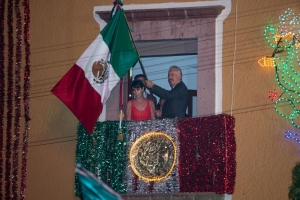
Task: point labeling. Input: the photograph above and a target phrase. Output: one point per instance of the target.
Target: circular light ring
(296, 112)
(153, 156)
(286, 100)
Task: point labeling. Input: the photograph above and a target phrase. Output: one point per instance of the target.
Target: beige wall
(60, 32)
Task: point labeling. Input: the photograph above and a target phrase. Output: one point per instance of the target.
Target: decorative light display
(292, 136)
(287, 74)
(266, 62)
(287, 36)
(273, 95)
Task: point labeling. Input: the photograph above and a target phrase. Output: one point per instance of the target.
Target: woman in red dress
(139, 108)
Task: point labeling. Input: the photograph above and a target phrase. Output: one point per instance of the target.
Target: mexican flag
(87, 85)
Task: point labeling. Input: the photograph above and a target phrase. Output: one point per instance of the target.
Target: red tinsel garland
(26, 97)
(187, 156)
(134, 183)
(9, 99)
(230, 155)
(2, 88)
(207, 154)
(15, 159)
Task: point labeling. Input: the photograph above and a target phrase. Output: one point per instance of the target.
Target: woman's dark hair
(139, 76)
(137, 84)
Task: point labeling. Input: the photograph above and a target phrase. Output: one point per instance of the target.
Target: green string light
(286, 76)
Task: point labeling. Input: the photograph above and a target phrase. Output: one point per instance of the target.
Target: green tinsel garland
(294, 190)
(103, 154)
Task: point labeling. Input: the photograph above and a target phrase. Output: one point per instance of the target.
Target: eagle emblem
(99, 70)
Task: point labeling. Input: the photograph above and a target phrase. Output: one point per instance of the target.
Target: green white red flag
(87, 85)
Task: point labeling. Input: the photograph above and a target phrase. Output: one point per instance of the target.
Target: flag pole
(140, 62)
(142, 66)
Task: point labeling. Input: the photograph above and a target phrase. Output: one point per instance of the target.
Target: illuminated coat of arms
(99, 70)
(153, 156)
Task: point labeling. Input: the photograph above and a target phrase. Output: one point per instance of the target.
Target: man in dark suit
(176, 98)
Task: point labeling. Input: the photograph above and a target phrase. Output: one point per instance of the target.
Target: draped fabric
(205, 162)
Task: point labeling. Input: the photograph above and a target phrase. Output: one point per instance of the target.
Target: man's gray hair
(177, 68)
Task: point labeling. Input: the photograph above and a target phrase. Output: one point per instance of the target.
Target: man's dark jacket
(176, 100)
